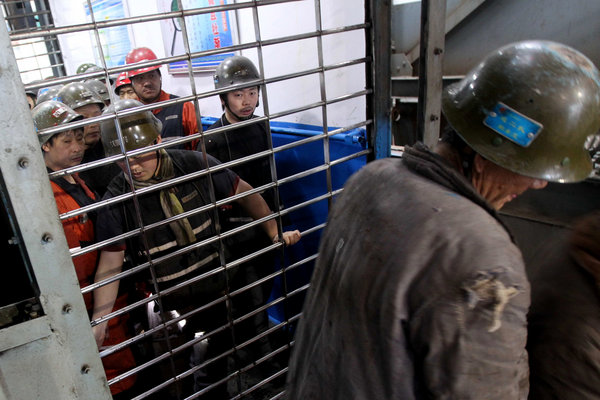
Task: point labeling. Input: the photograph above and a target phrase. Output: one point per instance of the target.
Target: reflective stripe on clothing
(173, 243)
(189, 269)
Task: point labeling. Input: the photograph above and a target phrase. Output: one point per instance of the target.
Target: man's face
(147, 86)
(499, 185)
(242, 103)
(31, 102)
(65, 150)
(142, 166)
(127, 92)
(91, 133)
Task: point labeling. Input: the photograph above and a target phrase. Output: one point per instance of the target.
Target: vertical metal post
(326, 149)
(433, 19)
(378, 76)
(53, 356)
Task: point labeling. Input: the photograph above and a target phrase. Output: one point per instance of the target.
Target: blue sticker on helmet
(512, 125)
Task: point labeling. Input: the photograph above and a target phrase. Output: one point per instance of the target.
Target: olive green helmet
(51, 113)
(139, 130)
(98, 87)
(235, 70)
(78, 94)
(529, 107)
(87, 67)
(47, 93)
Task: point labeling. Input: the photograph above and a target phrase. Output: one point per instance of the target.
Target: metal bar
(158, 17)
(17, 43)
(430, 71)
(151, 331)
(408, 86)
(323, 93)
(100, 49)
(160, 186)
(126, 21)
(185, 57)
(24, 15)
(54, 52)
(379, 105)
(186, 46)
(461, 12)
(350, 157)
(145, 18)
(51, 66)
(309, 35)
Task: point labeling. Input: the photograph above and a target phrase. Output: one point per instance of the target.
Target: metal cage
(229, 353)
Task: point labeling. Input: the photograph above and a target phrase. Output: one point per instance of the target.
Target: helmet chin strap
(158, 162)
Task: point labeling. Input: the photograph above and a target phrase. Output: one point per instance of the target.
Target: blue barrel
(296, 160)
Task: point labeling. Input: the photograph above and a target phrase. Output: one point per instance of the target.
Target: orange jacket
(80, 229)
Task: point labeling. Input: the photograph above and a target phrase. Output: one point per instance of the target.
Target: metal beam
(461, 12)
(378, 76)
(430, 71)
(408, 86)
(53, 356)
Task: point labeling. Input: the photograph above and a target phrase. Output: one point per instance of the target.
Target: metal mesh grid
(38, 57)
(247, 365)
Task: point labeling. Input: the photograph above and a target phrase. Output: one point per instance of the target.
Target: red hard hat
(122, 80)
(138, 55)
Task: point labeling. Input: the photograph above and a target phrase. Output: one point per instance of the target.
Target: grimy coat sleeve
(469, 335)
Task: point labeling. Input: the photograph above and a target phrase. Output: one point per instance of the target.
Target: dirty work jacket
(418, 292)
(564, 327)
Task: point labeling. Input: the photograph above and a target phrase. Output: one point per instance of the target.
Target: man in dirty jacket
(419, 291)
(564, 318)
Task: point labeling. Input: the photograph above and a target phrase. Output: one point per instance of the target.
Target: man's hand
(289, 237)
(100, 333)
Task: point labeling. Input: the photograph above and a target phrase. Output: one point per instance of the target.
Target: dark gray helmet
(100, 89)
(530, 107)
(235, 70)
(32, 92)
(79, 94)
(139, 130)
(51, 113)
(48, 93)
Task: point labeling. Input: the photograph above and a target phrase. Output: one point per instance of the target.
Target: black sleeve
(110, 221)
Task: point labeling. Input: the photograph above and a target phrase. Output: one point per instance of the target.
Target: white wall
(275, 21)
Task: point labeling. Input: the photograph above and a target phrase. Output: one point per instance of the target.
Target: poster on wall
(205, 32)
(115, 40)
